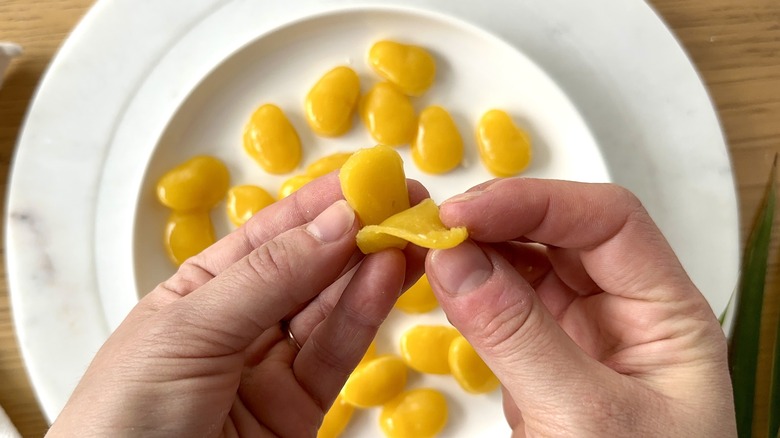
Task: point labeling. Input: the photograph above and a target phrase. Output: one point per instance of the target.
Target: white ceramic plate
(140, 86)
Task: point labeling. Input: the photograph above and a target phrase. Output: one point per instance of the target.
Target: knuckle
(506, 331)
(190, 276)
(273, 258)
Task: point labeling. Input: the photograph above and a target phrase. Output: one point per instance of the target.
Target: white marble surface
(649, 114)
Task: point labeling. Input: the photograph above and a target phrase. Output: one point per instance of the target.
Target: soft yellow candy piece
(410, 68)
(370, 353)
(418, 413)
(244, 201)
(293, 184)
(187, 234)
(196, 184)
(375, 382)
(332, 101)
(425, 348)
(374, 184)
(420, 225)
(419, 298)
(438, 147)
(388, 115)
(336, 419)
(271, 140)
(314, 170)
(505, 149)
(469, 370)
(327, 164)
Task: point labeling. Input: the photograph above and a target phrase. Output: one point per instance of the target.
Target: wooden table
(734, 43)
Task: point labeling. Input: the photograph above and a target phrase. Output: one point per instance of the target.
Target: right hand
(598, 331)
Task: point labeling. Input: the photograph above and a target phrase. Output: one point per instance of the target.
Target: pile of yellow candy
(374, 184)
(387, 112)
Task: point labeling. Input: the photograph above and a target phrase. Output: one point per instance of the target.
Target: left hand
(205, 354)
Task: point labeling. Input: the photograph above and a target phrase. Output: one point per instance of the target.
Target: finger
(532, 263)
(256, 292)
(320, 307)
(336, 346)
(500, 315)
(615, 235)
(295, 210)
(304, 322)
(529, 260)
(513, 416)
(286, 410)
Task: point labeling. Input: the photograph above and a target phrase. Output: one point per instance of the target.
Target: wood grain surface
(735, 44)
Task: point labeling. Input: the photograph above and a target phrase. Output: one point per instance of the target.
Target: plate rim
(18, 228)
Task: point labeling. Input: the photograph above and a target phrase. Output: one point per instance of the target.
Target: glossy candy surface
(293, 184)
(425, 348)
(336, 419)
(469, 370)
(270, 139)
(410, 68)
(194, 185)
(331, 102)
(505, 149)
(374, 184)
(438, 147)
(388, 115)
(327, 164)
(244, 201)
(419, 225)
(418, 413)
(314, 170)
(187, 234)
(419, 298)
(375, 382)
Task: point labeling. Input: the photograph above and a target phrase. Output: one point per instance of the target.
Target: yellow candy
(425, 348)
(469, 370)
(271, 140)
(418, 413)
(336, 419)
(314, 170)
(327, 164)
(244, 201)
(504, 148)
(374, 184)
(437, 147)
(410, 68)
(419, 298)
(388, 115)
(375, 382)
(187, 234)
(331, 102)
(370, 353)
(293, 184)
(197, 184)
(420, 225)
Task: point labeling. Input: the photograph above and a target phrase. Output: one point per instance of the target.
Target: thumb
(498, 312)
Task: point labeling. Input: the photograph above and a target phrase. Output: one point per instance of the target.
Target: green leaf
(774, 391)
(744, 341)
(722, 317)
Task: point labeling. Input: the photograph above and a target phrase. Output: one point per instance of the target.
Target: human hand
(203, 354)
(599, 332)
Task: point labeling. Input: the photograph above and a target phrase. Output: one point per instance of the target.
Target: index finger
(620, 246)
(295, 210)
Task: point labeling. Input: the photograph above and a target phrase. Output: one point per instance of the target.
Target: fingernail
(332, 223)
(461, 269)
(463, 197)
